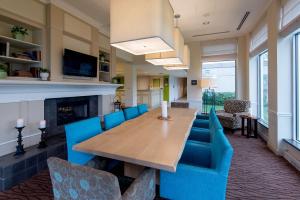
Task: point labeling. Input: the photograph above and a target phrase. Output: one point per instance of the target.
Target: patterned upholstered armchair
(81, 182)
(230, 116)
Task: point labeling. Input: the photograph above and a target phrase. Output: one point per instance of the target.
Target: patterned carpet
(256, 173)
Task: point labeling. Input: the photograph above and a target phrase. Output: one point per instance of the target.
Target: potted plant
(19, 32)
(3, 71)
(44, 74)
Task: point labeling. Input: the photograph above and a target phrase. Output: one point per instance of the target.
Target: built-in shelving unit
(19, 43)
(18, 60)
(22, 58)
(104, 66)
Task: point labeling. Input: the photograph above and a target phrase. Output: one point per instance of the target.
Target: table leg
(134, 171)
(255, 128)
(248, 128)
(243, 126)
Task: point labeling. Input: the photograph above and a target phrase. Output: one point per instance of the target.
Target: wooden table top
(146, 140)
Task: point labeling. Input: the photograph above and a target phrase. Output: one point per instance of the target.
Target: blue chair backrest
(214, 123)
(221, 153)
(78, 132)
(113, 119)
(142, 108)
(131, 113)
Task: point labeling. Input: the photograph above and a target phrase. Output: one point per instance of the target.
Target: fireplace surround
(61, 111)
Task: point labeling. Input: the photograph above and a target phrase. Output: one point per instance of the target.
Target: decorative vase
(44, 76)
(18, 36)
(3, 75)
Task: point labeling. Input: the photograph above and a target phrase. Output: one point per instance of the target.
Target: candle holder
(20, 148)
(165, 118)
(43, 141)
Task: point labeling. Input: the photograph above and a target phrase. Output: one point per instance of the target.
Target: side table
(249, 119)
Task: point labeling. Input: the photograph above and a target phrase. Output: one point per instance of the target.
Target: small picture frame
(194, 82)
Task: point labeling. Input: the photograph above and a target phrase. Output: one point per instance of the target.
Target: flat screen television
(79, 64)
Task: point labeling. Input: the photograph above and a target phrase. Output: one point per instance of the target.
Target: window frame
(260, 89)
(296, 83)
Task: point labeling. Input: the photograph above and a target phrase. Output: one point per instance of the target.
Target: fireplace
(61, 111)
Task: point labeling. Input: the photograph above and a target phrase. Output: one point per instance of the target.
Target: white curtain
(259, 38)
(289, 16)
(219, 50)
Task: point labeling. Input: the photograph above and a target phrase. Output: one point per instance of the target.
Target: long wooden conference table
(146, 140)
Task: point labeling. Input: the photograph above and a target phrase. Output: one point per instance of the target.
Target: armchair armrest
(143, 187)
(242, 113)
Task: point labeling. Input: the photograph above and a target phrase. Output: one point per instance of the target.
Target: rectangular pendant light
(186, 61)
(174, 57)
(142, 26)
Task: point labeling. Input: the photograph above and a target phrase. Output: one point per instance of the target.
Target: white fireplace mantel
(21, 90)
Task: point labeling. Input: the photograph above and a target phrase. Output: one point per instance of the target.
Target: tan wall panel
(29, 9)
(76, 45)
(77, 27)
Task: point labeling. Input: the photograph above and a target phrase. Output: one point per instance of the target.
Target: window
(214, 75)
(297, 82)
(263, 103)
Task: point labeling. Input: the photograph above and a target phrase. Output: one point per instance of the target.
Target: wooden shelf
(19, 60)
(104, 62)
(19, 43)
(104, 72)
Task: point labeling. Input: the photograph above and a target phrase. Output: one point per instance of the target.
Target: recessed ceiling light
(206, 15)
(206, 23)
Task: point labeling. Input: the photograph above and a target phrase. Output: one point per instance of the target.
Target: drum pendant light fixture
(186, 61)
(142, 26)
(174, 57)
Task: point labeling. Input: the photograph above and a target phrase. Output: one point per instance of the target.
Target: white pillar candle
(43, 124)
(20, 123)
(164, 109)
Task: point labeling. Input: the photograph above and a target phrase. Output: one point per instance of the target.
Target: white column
(130, 85)
(242, 68)
(280, 82)
(194, 92)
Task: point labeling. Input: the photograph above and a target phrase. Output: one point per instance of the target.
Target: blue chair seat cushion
(131, 113)
(200, 134)
(201, 123)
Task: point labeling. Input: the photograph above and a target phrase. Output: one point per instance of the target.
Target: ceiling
(222, 15)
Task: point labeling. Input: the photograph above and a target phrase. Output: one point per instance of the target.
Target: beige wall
(67, 31)
(32, 112)
(280, 81)
(194, 92)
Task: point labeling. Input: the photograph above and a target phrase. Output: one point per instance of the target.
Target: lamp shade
(186, 61)
(141, 26)
(174, 57)
(208, 83)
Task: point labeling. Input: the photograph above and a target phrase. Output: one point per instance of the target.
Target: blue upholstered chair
(201, 173)
(131, 113)
(203, 134)
(201, 123)
(85, 183)
(78, 132)
(202, 116)
(113, 119)
(142, 108)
